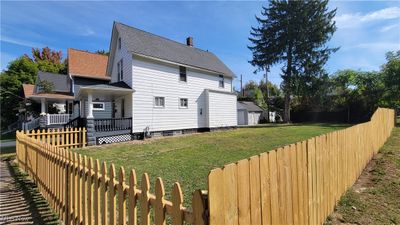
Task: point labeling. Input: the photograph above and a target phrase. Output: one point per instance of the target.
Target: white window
(119, 43)
(120, 67)
(221, 81)
(182, 74)
(183, 103)
(159, 102)
(98, 106)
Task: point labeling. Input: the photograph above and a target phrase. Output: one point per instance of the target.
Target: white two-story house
(157, 86)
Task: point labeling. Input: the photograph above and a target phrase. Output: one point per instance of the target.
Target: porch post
(90, 106)
(43, 106)
(43, 116)
(91, 139)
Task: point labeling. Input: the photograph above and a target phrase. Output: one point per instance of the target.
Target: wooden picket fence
(83, 191)
(64, 137)
(299, 183)
(295, 184)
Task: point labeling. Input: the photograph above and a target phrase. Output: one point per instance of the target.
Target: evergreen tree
(293, 33)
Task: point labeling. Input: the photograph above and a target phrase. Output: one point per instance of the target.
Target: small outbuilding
(248, 113)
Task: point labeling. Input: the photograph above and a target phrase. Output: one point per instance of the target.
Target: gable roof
(61, 82)
(87, 64)
(151, 45)
(249, 106)
(28, 90)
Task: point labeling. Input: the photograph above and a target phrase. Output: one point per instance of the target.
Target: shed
(248, 113)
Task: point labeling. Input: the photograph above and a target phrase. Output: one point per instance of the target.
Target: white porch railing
(31, 124)
(53, 119)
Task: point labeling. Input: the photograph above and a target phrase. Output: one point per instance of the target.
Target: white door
(254, 118)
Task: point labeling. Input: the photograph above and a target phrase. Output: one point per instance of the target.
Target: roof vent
(189, 41)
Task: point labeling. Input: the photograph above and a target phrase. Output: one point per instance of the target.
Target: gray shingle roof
(249, 106)
(61, 82)
(142, 42)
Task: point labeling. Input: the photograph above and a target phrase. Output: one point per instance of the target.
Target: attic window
(182, 74)
(221, 81)
(119, 43)
(120, 67)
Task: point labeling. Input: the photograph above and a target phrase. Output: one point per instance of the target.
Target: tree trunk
(286, 116)
(288, 85)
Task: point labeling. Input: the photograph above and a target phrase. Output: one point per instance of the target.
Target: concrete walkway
(7, 144)
(19, 202)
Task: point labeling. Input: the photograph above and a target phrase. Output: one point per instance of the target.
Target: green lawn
(188, 159)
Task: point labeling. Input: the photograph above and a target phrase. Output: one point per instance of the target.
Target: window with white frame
(182, 74)
(159, 102)
(120, 67)
(221, 81)
(98, 106)
(183, 103)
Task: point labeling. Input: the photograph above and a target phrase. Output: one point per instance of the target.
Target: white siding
(222, 110)
(151, 78)
(127, 64)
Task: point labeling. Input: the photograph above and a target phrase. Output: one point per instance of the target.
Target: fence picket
(132, 209)
(159, 208)
(144, 200)
(121, 197)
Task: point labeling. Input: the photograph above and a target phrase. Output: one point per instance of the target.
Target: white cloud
(356, 19)
(389, 27)
(20, 42)
(379, 46)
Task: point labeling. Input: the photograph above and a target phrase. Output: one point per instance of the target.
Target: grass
(375, 198)
(7, 151)
(7, 137)
(188, 159)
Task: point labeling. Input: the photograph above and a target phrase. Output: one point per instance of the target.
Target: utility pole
(241, 85)
(267, 100)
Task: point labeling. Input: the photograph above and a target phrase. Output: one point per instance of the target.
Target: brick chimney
(189, 41)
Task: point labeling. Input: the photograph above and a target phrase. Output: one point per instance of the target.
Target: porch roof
(53, 96)
(114, 89)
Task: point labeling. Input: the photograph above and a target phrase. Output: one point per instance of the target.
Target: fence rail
(299, 183)
(84, 191)
(64, 138)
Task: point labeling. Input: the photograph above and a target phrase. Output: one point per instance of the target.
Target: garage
(248, 113)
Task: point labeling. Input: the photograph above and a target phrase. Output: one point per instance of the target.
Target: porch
(105, 110)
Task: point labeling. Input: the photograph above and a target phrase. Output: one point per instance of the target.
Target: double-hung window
(182, 74)
(120, 67)
(183, 103)
(159, 102)
(221, 81)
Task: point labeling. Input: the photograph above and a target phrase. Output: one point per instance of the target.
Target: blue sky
(366, 29)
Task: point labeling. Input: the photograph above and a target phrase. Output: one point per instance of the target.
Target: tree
(391, 80)
(23, 70)
(49, 60)
(103, 52)
(293, 33)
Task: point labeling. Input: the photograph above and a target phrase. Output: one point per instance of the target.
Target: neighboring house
(248, 113)
(148, 84)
